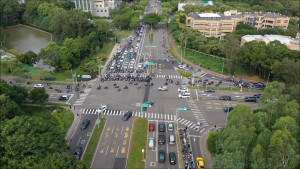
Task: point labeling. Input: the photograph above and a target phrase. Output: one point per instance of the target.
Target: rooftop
(209, 15)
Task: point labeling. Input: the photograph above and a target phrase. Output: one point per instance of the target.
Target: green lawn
(90, 151)
(122, 34)
(181, 72)
(138, 142)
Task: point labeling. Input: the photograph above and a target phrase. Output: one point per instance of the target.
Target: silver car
(151, 142)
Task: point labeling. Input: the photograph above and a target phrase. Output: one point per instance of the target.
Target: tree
(242, 25)
(67, 5)
(27, 140)
(50, 54)
(229, 160)
(121, 21)
(289, 124)
(211, 142)
(59, 160)
(10, 13)
(231, 50)
(38, 95)
(291, 109)
(8, 108)
(3, 36)
(272, 99)
(288, 70)
(28, 58)
(151, 19)
(283, 150)
(259, 158)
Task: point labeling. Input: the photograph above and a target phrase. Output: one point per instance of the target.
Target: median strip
(92, 145)
(137, 144)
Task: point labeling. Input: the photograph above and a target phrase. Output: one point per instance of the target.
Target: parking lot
(152, 157)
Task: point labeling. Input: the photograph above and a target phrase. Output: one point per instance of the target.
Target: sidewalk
(77, 117)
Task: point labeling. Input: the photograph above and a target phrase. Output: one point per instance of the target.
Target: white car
(198, 125)
(119, 50)
(131, 50)
(101, 109)
(151, 142)
(38, 86)
(183, 89)
(125, 52)
(181, 66)
(163, 88)
(170, 127)
(188, 94)
(183, 96)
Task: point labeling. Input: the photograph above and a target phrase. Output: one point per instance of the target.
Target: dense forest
(31, 141)
(265, 138)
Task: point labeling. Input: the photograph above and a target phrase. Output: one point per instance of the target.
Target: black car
(149, 102)
(230, 79)
(127, 116)
(228, 109)
(161, 127)
(161, 139)
(78, 152)
(257, 95)
(225, 98)
(172, 158)
(250, 99)
(85, 124)
(161, 156)
(209, 90)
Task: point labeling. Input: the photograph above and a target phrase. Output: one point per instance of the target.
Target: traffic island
(138, 144)
(92, 145)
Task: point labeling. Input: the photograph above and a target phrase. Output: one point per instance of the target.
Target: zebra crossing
(199, 116)
(152, 116)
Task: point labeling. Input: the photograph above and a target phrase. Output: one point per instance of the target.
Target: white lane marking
(155, 115)
(183, 122)
(190, 124)
(171, 117)
(193, 125)
(174, 117)
(151, 115)
(202, 130)
(168, 116)
(162, 116)
(165, 116)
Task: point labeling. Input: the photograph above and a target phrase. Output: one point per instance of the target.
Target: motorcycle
(119, 89)
(81, 91)
(106, 87)
(177, 83)
(166, 83)
(139, 87)
(152, 84)
(125, 87)
(99, 87)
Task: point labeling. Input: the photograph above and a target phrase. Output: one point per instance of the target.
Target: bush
(211, 142)
(49, 78)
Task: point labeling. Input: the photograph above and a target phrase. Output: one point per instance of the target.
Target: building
(218, 24)
(291, 43)
(98, 7)
(181, 5)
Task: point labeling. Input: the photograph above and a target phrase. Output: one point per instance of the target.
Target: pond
(25, 38)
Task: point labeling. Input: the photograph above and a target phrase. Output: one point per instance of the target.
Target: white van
(171, 139)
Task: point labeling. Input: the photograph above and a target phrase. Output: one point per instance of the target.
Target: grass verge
(225, 88)
(139, 135)
(151, 37)
(90, 151)
(122, 34)
(182, 73)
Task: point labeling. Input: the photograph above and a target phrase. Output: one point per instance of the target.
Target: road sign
(180, 109)
(144, 105)
(98, 121)
(184, 108)
(150, 63)
(153, 46)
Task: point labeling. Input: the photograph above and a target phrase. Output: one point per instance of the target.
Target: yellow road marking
(108, 129)
(207, 103)
(125, 135)
(104, 142)
(106, 135)
(112, 150)
(116, 135)
(209, 107)
(124, 142)
(218, 108)
(114, 142)
(102, 150)
(123, 150)
(117, 129)
(217, 104)
(127, 129)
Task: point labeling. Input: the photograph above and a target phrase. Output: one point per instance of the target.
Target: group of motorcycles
(128, 77)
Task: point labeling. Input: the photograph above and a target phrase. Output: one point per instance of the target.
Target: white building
(291, 43)
(98, 7)
(181, 5)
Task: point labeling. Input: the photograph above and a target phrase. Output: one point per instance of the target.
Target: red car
(151, 127)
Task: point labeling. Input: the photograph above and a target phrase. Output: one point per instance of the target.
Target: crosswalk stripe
(89, 111)
(193, 125)
(148, 115)
(175, 117)
(139, 114)
(93, 111)
(151, 115)
(202, 130)
(145, 115)
(190, 124)
(168, 116)
(172, 117)
(183, 122)
(136, 114)
(187, 123)
(161, 115)
(165, 116)
(155, 115)
(83, 112)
